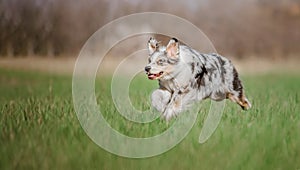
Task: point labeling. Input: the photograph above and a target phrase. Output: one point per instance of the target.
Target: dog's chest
(168, 85)
(173, 85)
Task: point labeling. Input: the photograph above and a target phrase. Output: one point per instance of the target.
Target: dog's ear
(152, 45)
(173, 48)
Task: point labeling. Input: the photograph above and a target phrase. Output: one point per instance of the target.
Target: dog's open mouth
(152, 76)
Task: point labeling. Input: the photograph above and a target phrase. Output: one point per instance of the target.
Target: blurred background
(241, 29)
(48, 34)
(40, 41)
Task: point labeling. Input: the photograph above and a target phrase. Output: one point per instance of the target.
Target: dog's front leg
(160, 99)
(173, 107)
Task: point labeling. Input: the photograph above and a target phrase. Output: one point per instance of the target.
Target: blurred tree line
(239, 28)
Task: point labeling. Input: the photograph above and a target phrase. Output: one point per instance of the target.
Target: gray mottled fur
(189, 76)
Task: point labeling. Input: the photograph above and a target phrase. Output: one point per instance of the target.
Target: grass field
(40, 130)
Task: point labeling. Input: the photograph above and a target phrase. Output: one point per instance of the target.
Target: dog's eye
(149, 60)
(161, 61)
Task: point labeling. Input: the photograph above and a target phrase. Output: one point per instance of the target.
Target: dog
(186, 76)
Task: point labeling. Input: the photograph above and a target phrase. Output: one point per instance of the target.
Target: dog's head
(162, 60)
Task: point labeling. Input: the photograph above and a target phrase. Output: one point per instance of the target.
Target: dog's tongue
(151, 76)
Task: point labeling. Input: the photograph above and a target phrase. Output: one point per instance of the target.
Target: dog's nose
(147, 68)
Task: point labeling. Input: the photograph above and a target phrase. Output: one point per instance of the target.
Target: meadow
(40, 130)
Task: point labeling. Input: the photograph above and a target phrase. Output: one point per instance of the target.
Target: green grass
(40, 130)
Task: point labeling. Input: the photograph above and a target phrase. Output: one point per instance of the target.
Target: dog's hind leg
(236, 94)
(239, 99)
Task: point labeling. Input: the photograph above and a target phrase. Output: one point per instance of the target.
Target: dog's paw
(169, 114)
(245, 104)
(158, 106)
